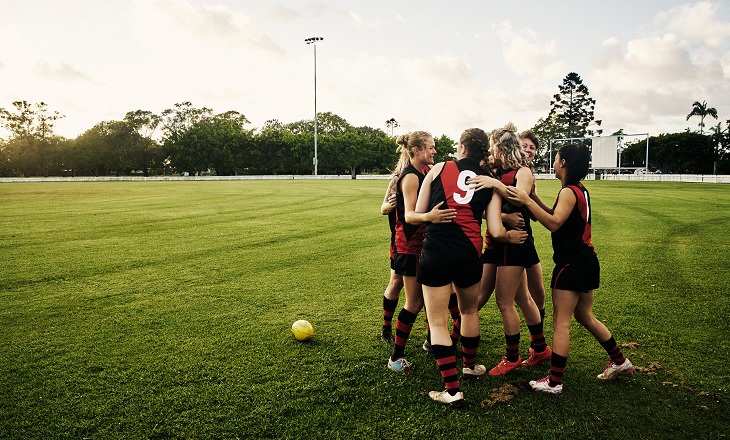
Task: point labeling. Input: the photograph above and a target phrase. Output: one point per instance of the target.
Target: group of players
(442, 261)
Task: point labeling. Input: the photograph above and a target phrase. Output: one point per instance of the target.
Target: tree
(390, 124)
(32, 145)
(145, 123)
(572, 109)
(445, 149)
(701, 110)
(684, 152)
(545, 129)
(721, 142)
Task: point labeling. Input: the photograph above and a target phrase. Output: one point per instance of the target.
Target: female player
(420, 148)
(392, 292)
(577, 271)
(530, 143)
(451, 254)
(511, 282)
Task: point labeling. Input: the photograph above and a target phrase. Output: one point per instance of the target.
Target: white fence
(693, 178)
(172, 178)
(706, 178)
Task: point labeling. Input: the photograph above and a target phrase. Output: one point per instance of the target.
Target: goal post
(605, 150)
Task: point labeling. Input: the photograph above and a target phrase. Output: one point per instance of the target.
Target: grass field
(162, 310)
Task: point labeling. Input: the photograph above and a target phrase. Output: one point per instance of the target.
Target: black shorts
(490, 256)
(434, 271)
(406, 264)
(392, 263)
(523, 254)
(578, 276)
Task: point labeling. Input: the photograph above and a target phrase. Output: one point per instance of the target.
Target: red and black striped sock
(389, 306)
(469, 347)
(446, 360)
(613, 351)
(512, 349)
(403, 326)
(557, 368)
(455, 316)
(537, 337)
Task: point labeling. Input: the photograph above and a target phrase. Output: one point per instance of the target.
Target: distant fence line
(691, 178)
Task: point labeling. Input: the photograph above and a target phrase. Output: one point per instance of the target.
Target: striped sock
(512, 349)
(537, 337)
(557, 368)
(469, 347)
(456, 316)
(613, 351)
(403, 326)
(446, 360)
(389, 306)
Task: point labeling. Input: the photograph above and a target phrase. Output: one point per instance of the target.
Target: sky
(431, 65)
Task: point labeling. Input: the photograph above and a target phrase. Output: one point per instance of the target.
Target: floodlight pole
(313, 41)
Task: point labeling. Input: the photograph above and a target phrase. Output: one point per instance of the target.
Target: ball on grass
(302, 330)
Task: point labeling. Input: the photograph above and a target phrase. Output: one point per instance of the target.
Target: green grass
(162, 310)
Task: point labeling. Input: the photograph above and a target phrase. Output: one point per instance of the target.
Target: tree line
(196, 141)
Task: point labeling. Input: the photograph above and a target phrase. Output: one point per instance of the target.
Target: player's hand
(480, 182)
(437, 215)
(392, 200)
(515, 194)
(514, 220)
(516, 237)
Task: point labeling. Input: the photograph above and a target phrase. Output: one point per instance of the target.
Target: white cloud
(361, 23)
(217, 23)
(523, 50)
(696, 21)
(649, 83)
(61, 72)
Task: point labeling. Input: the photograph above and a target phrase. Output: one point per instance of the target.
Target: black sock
(403, 326)
(389, 306)
(512, 351)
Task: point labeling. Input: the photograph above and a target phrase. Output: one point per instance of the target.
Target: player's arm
(389, 201)
(552, 221)
(495, 228)
(538, 200)
(525, 182)
(417, 214)
(514, 220)
(485, 182)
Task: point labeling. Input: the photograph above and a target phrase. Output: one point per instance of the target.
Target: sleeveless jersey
(391, 223)
(572, 242)
(462, 238)
(408, 237)
(509, 178)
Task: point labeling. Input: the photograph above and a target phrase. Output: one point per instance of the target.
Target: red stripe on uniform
(558, 275)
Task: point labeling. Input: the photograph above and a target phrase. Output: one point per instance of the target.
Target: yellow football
(302, 330)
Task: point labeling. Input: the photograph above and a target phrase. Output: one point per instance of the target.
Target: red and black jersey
(509, 178)
(461, 238)
(408, 237)
(391, 222)
(572, 242)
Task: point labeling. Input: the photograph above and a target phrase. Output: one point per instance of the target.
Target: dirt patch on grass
(504, 393)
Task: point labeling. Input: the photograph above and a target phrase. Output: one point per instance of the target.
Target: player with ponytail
(451, 254)
(420, 148)
(512, 259)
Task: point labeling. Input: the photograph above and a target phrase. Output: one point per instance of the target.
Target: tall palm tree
(701, 110)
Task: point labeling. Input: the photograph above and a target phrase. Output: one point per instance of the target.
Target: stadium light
(313, 41)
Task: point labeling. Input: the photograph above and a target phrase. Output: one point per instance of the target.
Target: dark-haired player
(577, 271)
